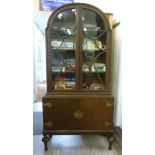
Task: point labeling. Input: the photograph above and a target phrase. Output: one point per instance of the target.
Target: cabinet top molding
(80, 6)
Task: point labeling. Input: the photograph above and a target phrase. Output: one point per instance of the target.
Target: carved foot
(110, 140)
(50, 136)
(45, 140)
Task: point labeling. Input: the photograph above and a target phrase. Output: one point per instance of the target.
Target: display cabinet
(78, 54)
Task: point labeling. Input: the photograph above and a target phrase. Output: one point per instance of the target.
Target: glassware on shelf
(94, 67)
(65, 82)
(62, 44)
(95, 86)
(92, 44)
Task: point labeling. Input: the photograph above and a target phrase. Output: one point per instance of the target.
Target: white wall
(117, 75)
(39, 68)
(39, 55)
(111, 6)
(39, 25)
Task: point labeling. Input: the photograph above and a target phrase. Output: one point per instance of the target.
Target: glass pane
(93, 51)
(63, 51)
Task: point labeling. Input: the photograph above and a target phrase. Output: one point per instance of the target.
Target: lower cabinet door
(59, 114)
(78, 114)
(96, 114)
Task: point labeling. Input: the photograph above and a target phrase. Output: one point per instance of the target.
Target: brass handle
(108, 104)
(78, 114)
(48, 105)
(106, 124)
(48, 124)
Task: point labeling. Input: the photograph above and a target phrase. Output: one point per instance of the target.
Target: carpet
(37, 123)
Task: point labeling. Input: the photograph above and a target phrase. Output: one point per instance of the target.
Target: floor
(73, 144)
(37, 106)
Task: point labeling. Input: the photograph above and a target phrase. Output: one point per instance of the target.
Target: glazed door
(63, 52)
(79, 53)
(94, 53)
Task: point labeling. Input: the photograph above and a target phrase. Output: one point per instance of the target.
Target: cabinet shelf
(73, 72)
(62, 28)
(94, 90)
(64, 72)
(94, 72)
(70, 49)
(63, 49)
(93, 49)
(90, 28)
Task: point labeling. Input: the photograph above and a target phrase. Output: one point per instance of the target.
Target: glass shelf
(63, 49)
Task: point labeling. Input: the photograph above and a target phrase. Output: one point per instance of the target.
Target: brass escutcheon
(48, 124)
(78, 114)
(108, 104)
(106, 124)
(48, 105)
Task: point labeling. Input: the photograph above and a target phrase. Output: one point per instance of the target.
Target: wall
(117, 75)
(39, 59)
(112, 6)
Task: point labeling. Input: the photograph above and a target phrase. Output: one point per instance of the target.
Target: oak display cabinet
(78, 56)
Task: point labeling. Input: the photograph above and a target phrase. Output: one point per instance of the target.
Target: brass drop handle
(78, 114)
(48, 124)
(106, 124)
(48, 105)
(108, 104)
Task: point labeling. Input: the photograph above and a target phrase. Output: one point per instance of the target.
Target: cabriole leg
(45, 140)
(110, 140)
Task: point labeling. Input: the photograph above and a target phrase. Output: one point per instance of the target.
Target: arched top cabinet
(78, 39)
(78, 50)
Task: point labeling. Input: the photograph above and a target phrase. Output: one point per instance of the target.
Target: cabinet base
(48, 134)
